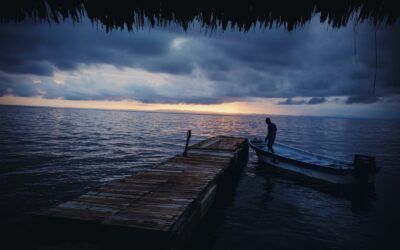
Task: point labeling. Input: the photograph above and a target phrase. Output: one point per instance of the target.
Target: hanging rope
(376, 61)
(355, 41)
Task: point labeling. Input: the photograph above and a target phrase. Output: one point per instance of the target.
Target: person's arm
(268, 135)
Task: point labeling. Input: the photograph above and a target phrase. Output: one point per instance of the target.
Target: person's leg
(270, 149)
(271, 141)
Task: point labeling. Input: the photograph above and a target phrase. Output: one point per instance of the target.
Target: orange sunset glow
(255, 107)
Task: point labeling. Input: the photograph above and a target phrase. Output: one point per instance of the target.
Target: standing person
(270, 139)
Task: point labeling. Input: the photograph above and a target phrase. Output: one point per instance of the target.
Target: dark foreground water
(48, 156)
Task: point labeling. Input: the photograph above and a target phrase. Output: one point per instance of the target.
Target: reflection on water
(271, 209)
(51, 155)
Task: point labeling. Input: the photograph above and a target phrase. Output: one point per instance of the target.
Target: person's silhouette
(270, 139)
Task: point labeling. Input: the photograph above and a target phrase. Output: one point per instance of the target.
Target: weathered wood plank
(169, 199)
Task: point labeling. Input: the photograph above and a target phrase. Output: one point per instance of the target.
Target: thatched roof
(211, 14)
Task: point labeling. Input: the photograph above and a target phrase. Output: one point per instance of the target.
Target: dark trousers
(270, 142)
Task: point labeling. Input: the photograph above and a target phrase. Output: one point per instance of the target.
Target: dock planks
(167, 201)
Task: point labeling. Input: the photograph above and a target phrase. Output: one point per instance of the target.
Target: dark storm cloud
(40, 49)
(316, 100)
(180, 100)
(290, 101)
(21, 87)
(311, 101)
(313, 63)
(391, 99)
(362, 99)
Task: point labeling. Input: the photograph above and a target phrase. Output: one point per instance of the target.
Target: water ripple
(50, 155)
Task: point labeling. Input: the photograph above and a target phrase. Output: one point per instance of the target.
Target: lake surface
(50, 155)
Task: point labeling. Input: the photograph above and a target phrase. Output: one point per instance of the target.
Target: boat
(318, 167)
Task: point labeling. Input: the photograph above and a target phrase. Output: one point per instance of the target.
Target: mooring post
(188, 135)
(363, 165)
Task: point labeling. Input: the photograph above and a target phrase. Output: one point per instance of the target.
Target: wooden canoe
(323, 168)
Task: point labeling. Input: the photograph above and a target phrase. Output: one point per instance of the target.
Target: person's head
(268, 120)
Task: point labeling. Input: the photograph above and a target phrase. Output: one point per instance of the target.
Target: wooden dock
(165, 203)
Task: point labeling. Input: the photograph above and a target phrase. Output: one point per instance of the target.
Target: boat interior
(302, 156)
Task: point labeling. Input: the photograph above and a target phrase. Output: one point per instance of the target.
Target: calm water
(48, 156)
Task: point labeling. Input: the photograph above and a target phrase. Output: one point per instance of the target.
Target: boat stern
(365, 168)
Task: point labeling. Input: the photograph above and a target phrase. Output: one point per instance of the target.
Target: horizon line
(172, 111)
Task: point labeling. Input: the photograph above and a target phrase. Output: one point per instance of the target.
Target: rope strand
(355, 42)
(376, 61)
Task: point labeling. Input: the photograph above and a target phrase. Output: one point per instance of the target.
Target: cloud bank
(80, 62)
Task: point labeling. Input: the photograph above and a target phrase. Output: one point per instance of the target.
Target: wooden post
(189, 134)
(363, 165)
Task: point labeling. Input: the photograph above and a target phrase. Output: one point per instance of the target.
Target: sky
(314, 70)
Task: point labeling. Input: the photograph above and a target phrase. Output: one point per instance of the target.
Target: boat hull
(312, 171)
(337, 179)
